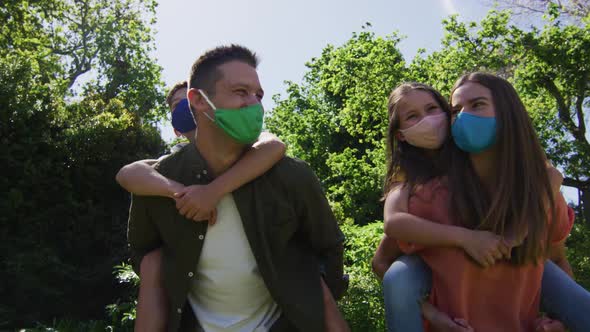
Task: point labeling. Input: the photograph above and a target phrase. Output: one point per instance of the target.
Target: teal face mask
(244, 125)
(474, 133)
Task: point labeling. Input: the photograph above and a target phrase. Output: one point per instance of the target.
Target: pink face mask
(429, 133)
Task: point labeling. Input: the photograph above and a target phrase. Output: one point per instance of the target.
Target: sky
(287, 34)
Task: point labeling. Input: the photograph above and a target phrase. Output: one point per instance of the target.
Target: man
(197, 203)
(261, 267)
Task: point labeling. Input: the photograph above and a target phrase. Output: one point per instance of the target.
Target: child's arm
(141, 178)
(198, 202)
(484, 247)
(387, 252)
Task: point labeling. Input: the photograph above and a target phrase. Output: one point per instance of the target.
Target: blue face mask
(474, 133)
(182, 118)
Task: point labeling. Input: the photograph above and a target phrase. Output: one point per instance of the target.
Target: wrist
(460, 236)
(216, 189)
(173, 188)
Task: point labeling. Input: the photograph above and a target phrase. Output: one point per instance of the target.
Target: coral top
(503, 297)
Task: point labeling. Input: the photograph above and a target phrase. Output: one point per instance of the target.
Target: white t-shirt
(227, 292)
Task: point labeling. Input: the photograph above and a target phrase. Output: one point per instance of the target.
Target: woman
(493, 246)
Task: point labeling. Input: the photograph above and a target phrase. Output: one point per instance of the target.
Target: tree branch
(570, 182)
(518, 4)
(579, 107)
(66, 51)
(563, 112)
(562, 107)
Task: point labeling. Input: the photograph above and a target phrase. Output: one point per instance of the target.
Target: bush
(578, 250)
(63, 216)
(121, 315)
(362, 305)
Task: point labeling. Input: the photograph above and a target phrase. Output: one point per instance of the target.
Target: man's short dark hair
(173, 90)
(204, 72)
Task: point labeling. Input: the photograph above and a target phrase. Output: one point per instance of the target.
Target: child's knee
(404, 280)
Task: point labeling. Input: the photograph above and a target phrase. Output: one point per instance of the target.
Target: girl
(419, 119)
(485, 247)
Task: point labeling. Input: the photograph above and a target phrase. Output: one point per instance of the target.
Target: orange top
(503, 297)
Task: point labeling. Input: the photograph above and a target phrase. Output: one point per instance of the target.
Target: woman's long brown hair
(522, 202)
(406, 163)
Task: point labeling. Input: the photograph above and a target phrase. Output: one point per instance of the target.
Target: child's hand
(485, 247)
(441, 322)
(545, 324)
(198, 203)
(463, 325)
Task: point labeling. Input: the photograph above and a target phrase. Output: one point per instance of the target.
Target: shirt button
(190, 274)
(179, 310)
(201, 237)
(198, 176)
(205, 171)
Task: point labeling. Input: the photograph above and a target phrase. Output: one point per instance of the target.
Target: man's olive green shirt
(290, 227)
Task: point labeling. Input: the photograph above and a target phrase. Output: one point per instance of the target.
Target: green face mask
(243, 124)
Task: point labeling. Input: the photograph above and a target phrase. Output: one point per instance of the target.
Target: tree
(62, 226)
(572, 10)
(336, 120)
(548, 66)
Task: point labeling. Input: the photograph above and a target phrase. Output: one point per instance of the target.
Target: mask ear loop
(208, 102)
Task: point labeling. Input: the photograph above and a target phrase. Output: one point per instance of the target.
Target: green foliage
(67, 325)
(121, 315)
(62, 225)
(578, 249)
(550, 69)
(336, 119)
(63, 217)
(362, 305)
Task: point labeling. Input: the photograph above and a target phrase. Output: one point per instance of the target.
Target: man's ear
(400, 136)
(195, 99)
(177, 133)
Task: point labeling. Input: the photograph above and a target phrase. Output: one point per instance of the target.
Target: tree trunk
(584, 194)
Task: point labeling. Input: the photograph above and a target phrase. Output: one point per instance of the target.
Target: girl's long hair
(406, 163)
(521, 205)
